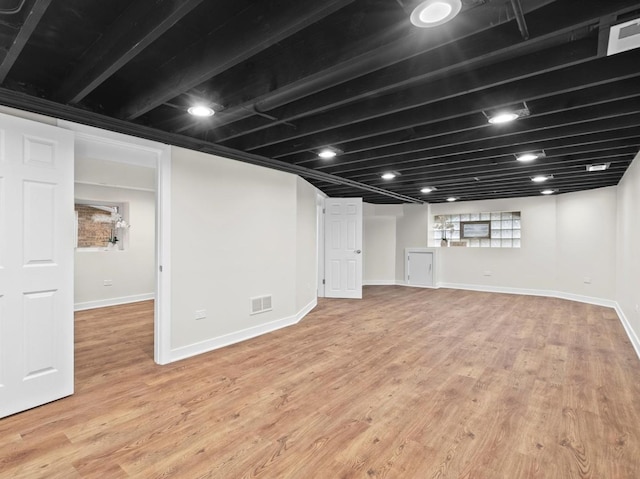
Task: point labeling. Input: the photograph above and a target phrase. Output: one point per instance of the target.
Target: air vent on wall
(260, 304)
(623, 37)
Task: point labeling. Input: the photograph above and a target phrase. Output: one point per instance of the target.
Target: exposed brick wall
(91, 233)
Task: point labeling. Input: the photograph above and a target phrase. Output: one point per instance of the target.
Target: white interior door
(36, 264)
(343, 247)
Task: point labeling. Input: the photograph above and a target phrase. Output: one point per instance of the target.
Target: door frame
(100, 142)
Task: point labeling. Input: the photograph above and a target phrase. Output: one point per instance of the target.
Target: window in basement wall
(504, 229)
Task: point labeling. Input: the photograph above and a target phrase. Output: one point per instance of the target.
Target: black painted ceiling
(288, 77)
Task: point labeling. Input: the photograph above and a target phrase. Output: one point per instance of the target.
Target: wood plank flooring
(406, 383)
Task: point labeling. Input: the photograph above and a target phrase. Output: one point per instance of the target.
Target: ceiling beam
(139, 25)
(207, 59)
(358, 64)
(615, 128)
(360, 125)
(484, 52)
(46, 107)
(560, 118)
(422, 137)
(37, 9)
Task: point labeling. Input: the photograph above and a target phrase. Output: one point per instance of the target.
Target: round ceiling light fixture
(388, 175)
(431, 13)
(327, 154)
(504, 117)
(525, 157)
(427, 189)
(548, 192)
(451, 199)
(201, 111)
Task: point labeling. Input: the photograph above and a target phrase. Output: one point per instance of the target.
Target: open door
(36, 264)
(343, 247)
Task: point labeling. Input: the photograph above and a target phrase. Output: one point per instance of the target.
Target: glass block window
(505, 229)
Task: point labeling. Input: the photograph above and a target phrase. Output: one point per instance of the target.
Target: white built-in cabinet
(420, 267)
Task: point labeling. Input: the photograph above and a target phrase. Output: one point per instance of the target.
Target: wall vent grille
(261, 304)
(623, 37)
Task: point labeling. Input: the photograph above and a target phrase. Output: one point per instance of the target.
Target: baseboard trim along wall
(379, 282)
(633, 337)
(103, 303)
(239, 336)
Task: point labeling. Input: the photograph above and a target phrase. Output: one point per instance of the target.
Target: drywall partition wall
(628, 252)
(586, 243)
(306, 236)
(378, 249)
(531, 267)
(234, 238)
(411, 232)
(131, 272)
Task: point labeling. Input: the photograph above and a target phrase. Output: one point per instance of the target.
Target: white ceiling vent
(260, 304)
(623, 37)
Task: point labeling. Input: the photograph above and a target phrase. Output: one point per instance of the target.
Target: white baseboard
(103, 303)
(238, 336)
(531, 292)
(379, 282)
(633, 337)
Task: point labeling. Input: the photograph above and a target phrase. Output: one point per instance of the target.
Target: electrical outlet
(587, 280)
(108, 282)
(488, 272)
(200, 314)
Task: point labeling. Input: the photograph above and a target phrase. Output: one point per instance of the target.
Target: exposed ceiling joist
(36, 9)
(143, 23)
(207, 59)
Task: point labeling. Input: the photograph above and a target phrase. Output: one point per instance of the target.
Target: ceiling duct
(624, 36)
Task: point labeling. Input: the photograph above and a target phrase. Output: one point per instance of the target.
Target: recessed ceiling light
(548, 192)
(504, 117)
(541, 178)
(327, 154)
(507, 114)
(389, 175)
(598, 167)
(201, 111)
(428, 189)
(530, 156)
(431, 13)
(452, 198)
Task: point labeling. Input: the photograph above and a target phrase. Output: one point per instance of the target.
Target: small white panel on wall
(420, 267)
(39, 152)
(39, 334)
(39, 222)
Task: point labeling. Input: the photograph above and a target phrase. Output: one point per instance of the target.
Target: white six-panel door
(343, 247)
(36, 264)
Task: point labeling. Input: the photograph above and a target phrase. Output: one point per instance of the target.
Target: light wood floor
(407, 383)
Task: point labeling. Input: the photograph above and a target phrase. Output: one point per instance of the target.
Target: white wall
(235, 232)
(378, 246)
(132, 270)
(411, 232)
(586, 246)
(628, 251)
(306, 236)
(562, 245)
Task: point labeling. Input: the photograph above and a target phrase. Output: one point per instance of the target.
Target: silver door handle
(357, 251)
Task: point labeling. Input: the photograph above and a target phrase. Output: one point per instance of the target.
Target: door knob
(358, 251)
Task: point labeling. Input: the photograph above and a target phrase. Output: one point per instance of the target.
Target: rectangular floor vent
(623, 37)
(260, 304)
